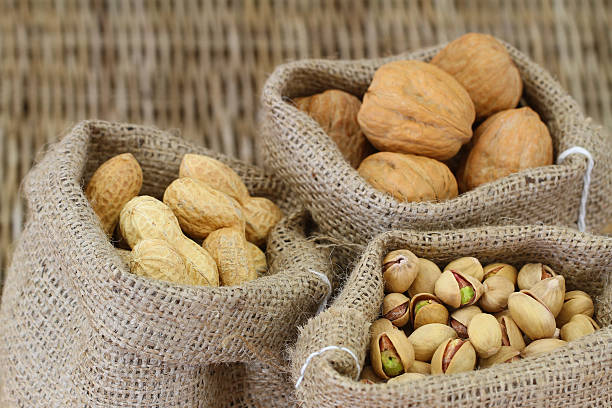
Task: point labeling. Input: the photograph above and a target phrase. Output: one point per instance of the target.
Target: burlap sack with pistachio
(78, 329)
(576, 375)
(348, 208)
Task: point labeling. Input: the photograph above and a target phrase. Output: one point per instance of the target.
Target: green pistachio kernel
(467, 294)
(420, 304)
(392, 366)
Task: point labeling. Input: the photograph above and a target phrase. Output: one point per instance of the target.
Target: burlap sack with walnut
(347, 208)
(576, 375)
(77, 328)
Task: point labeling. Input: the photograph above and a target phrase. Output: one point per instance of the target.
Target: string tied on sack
(587, 181)
(323, 350)
(328, 292)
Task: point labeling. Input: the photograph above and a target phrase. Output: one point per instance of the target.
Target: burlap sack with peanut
(347, 208)
(575, 375)
(78, 329)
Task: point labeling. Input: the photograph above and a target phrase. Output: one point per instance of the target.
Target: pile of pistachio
(469, 316)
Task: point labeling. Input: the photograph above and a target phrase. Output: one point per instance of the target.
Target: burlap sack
(347, 208)
(78, 329)
(577, 375)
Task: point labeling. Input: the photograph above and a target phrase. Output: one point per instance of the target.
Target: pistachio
(542, 346)
(406, 377)
(457, 289)
(368, 376)
(426, 278)
(400, 268)
(500, 269)
(396, 309)
(425, 308)
(390, 351)
(485, 334)
(505, 354)
(467, 265)
(531, 316)
(551, 292)
(511, 334)
(460, 319)
(579, 326)
(426, 339)
(453, 356)
(420, 367)
(495, 296)
(532, 273)
(576, 302)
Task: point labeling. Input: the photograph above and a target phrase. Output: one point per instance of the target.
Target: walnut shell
(336, 112)
(415, 107)
(507, 142)
(485, 69)
(408, 177)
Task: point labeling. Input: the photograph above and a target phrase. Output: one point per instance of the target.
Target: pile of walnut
(419, 115)
(453, 323)
(208, 202)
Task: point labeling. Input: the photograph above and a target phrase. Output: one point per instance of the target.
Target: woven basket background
(199, 65)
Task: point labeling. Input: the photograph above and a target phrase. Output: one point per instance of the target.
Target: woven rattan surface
(199, 65)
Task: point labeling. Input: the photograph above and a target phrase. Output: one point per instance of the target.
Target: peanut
(261, 216)
(257, 258)
(145, 217)
(113, 184)
(228, 247)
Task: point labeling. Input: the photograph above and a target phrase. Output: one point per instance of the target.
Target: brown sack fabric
(576, 375)
(347, 208)
(77, 328)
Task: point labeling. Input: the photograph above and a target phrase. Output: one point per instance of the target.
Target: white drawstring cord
(325, 279)
(587, 181)
(324, 349)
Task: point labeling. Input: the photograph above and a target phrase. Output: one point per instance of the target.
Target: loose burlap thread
(576, 375)
(77, 328)
(347, 208)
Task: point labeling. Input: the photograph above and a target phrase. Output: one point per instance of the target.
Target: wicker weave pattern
(199, 65)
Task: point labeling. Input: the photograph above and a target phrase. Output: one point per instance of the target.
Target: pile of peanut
(206, 231)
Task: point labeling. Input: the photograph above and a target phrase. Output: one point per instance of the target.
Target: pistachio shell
(426, 278)
(495, 297)
(447, 288)
(499, 315)
(368, 376)
(400, 268)
(576, 302)
(426, 339)
(464, 358)
(393, 301)
(542, 346)
(501, 269)
(551, 292)
(504, 355)
(406, 377)
(433, 312)
(402, 346)
(467, 265)
(532, 317)
(485, 334)
(511, 334)
(579, 326)
(420, 367)
(460, 319)
(532, 273)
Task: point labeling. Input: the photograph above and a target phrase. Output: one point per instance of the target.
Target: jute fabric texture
(348, 209)
(77, 328)
(572, 376)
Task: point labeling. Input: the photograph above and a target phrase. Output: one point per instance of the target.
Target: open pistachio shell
(406, 377)
(501, 269)
(506, 354)
(420, 367)
(576, 302)
(400, 268)
(448, 290)
(403, 348)
(511, 334)
(460, 319)
(495, 296)
(368, 376)
(532, 273)
(505, 312)
(531, 316)
(542, 346)
(426, 308)
(453, 356)
(396, 308)
(579, 326)
(426, 278)
(485, 334)
(426, 339)
(551, 292)
(467, 265)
